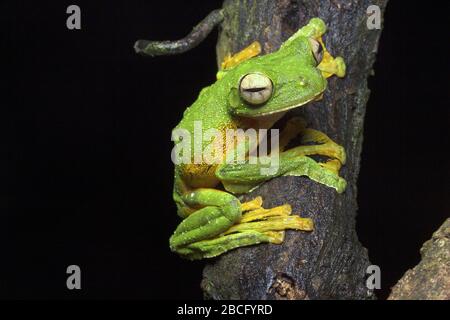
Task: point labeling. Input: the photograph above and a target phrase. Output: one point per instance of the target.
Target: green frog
(254, 91)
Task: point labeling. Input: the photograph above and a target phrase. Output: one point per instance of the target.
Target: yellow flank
(199, 175)
(203, 175)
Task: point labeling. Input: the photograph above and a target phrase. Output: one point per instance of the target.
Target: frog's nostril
(303, 82)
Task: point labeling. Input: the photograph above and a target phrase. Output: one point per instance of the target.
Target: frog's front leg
(243, 177)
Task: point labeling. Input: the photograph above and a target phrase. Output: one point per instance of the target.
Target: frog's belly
(200, 175)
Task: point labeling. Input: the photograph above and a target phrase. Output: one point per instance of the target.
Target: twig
(197, 35)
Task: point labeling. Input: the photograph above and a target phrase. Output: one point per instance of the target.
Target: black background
(89, 175)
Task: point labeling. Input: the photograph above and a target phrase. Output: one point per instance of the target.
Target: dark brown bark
(430, 279)
(328, 263)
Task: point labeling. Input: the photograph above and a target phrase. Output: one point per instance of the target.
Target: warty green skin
(208, 212)
(294, 75)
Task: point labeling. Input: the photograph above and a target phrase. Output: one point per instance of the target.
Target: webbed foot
(256, 225)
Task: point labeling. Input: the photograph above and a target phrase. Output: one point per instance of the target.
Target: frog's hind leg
(219, 226)
(329, 65)
(230, 61)
(254, 217)
(251, 51)
(272, 222)
(216, 211)
(214, 247)
(256, 226)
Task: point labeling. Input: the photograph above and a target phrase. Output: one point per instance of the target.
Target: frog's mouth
(262, 113)
(268, 110)
(285, 96)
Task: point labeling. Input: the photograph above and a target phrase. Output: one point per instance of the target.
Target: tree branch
(430, 279)
(193, 39)
(329, 262)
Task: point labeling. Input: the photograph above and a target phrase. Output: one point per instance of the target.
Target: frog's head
(283, 80)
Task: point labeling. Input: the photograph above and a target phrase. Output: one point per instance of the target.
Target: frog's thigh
(218, 211)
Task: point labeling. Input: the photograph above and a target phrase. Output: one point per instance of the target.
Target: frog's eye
(317, 50)
(255, 88)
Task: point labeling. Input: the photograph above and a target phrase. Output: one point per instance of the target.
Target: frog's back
(210, 110)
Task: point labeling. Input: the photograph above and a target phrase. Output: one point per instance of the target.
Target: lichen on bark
(430, 279)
